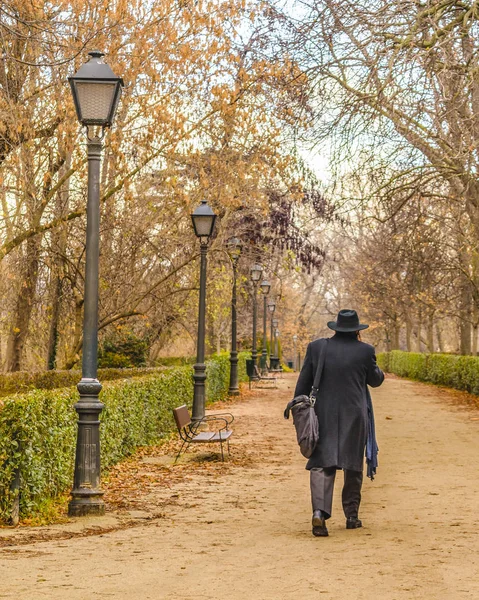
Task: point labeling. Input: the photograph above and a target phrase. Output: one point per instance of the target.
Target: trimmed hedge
(175, 361)
(218, 373)
(383, 361)
(450, 370)
(23, 381)
(38, 429)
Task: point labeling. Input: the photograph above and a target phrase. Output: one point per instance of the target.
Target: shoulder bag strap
(319, 371)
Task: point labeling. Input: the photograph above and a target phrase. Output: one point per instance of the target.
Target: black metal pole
(271, 342)
(254, 353)
(86, 493)
(234, 385)
(199, 376)
(264, 353)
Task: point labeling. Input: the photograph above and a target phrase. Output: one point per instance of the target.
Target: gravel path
(241, 530)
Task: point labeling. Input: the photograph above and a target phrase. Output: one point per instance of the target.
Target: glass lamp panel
(256, 271)
(265, 287)
(116, 101)
(271, 307)
(234, 246)
(203, 225)
(95, 101)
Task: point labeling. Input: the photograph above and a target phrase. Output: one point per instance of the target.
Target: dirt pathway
(242, 530)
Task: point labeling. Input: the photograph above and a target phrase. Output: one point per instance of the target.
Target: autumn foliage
(205, 112)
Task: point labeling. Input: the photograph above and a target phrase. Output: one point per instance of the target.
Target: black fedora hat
(348, 320)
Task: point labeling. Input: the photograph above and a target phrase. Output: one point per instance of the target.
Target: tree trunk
(73, 355)
(397, 334)
(388, 340)
(474, 328)
(430, 332)
(408, 334)
(54, 322)
(474, 339)
(23, 306)
(465, 325)
(419, 330)
(439, 338)
(60, 239)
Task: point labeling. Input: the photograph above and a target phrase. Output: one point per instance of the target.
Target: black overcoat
(341, 406)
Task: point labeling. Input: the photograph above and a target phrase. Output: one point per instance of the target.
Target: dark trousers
(322, 485)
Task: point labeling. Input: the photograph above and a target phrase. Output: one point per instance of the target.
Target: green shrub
(242, 374)
(441, 369)
(23, 381)
(450, 370)
(408, 364)
(467, 374)
(37, 435)
(383, 361)
(123, 350)
(38, 428)
(114, 360)
(175, 361)
(218, 375)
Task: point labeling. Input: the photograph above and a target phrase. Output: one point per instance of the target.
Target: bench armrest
(228, 417)
(208, 418)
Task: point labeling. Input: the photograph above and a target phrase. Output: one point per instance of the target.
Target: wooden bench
(189, 433)
(279, 371)
(260, 377)
(254, 374)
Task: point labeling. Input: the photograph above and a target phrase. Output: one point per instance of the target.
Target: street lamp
(203, 220)
(276, 348)
(96, 92)
(234, 248)
(271, 308)
(265, 287)
(295, 355)
(274, 360)
(255, 274)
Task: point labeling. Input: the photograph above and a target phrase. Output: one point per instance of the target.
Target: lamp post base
(234, 387)
(274, 363)
(83, 506)
(199, 379)
(263, 361)
(86, 493)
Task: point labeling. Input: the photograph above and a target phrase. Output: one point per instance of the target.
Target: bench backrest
(182, 416)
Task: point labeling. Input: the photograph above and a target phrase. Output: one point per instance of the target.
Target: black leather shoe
(319, 524)
(353, 523)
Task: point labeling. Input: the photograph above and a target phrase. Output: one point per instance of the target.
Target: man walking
(345, 416)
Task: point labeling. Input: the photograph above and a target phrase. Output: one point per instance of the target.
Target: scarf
(371, 444)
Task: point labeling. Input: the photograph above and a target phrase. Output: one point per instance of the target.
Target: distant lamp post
(265, 287)
(203, 220)
(96, 92)
(255, 275)
(234, 248)
(295, 352)
(271, 307)
(276, 349)
(274, 342)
